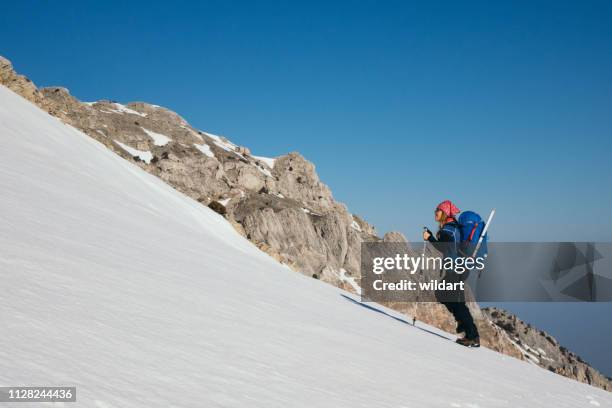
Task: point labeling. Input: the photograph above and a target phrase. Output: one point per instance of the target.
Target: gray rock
(394, 236)
(544, 350)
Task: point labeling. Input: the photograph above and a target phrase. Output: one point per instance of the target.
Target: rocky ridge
(540, 348)
(279, 203)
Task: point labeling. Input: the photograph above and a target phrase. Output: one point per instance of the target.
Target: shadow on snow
(399, 319)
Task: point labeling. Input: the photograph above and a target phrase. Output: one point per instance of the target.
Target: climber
(447, 241)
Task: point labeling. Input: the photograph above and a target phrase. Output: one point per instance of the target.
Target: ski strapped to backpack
(483, 235)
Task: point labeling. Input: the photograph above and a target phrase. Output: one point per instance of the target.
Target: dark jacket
(447, 240)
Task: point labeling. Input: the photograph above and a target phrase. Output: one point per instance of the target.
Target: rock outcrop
(278, 204)
(540, 348)
(18, 83)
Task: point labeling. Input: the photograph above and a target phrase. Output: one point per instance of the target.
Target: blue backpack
(470, 229)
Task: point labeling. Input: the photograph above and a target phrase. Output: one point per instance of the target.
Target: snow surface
(264, 170)
(119, 108)
(350, 280)
(223, 143)
(231, 147)
(269, 161)
(158, 138)
(141, 297)
(145, 156)
(225, 201)
(204, 148)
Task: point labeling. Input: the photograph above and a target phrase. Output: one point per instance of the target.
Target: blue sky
(400, 105)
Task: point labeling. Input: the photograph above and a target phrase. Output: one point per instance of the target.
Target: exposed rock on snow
(158, 139)
(204, 148)
(144, 156)
(268, 161)
(543, 349)
(119, 108)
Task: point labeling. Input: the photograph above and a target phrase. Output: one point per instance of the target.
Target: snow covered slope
(141, 297)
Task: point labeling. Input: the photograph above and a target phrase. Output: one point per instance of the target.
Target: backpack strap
(453, 228)
(473, 231)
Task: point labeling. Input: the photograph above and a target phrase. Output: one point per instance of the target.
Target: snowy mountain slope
(140, 297)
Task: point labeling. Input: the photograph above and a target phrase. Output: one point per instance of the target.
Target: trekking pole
(416, 304)
(424, 249)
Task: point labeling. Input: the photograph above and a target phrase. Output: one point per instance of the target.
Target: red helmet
(448, 208)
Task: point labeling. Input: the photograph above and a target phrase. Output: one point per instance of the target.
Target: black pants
(463, 316)
(454, 301)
